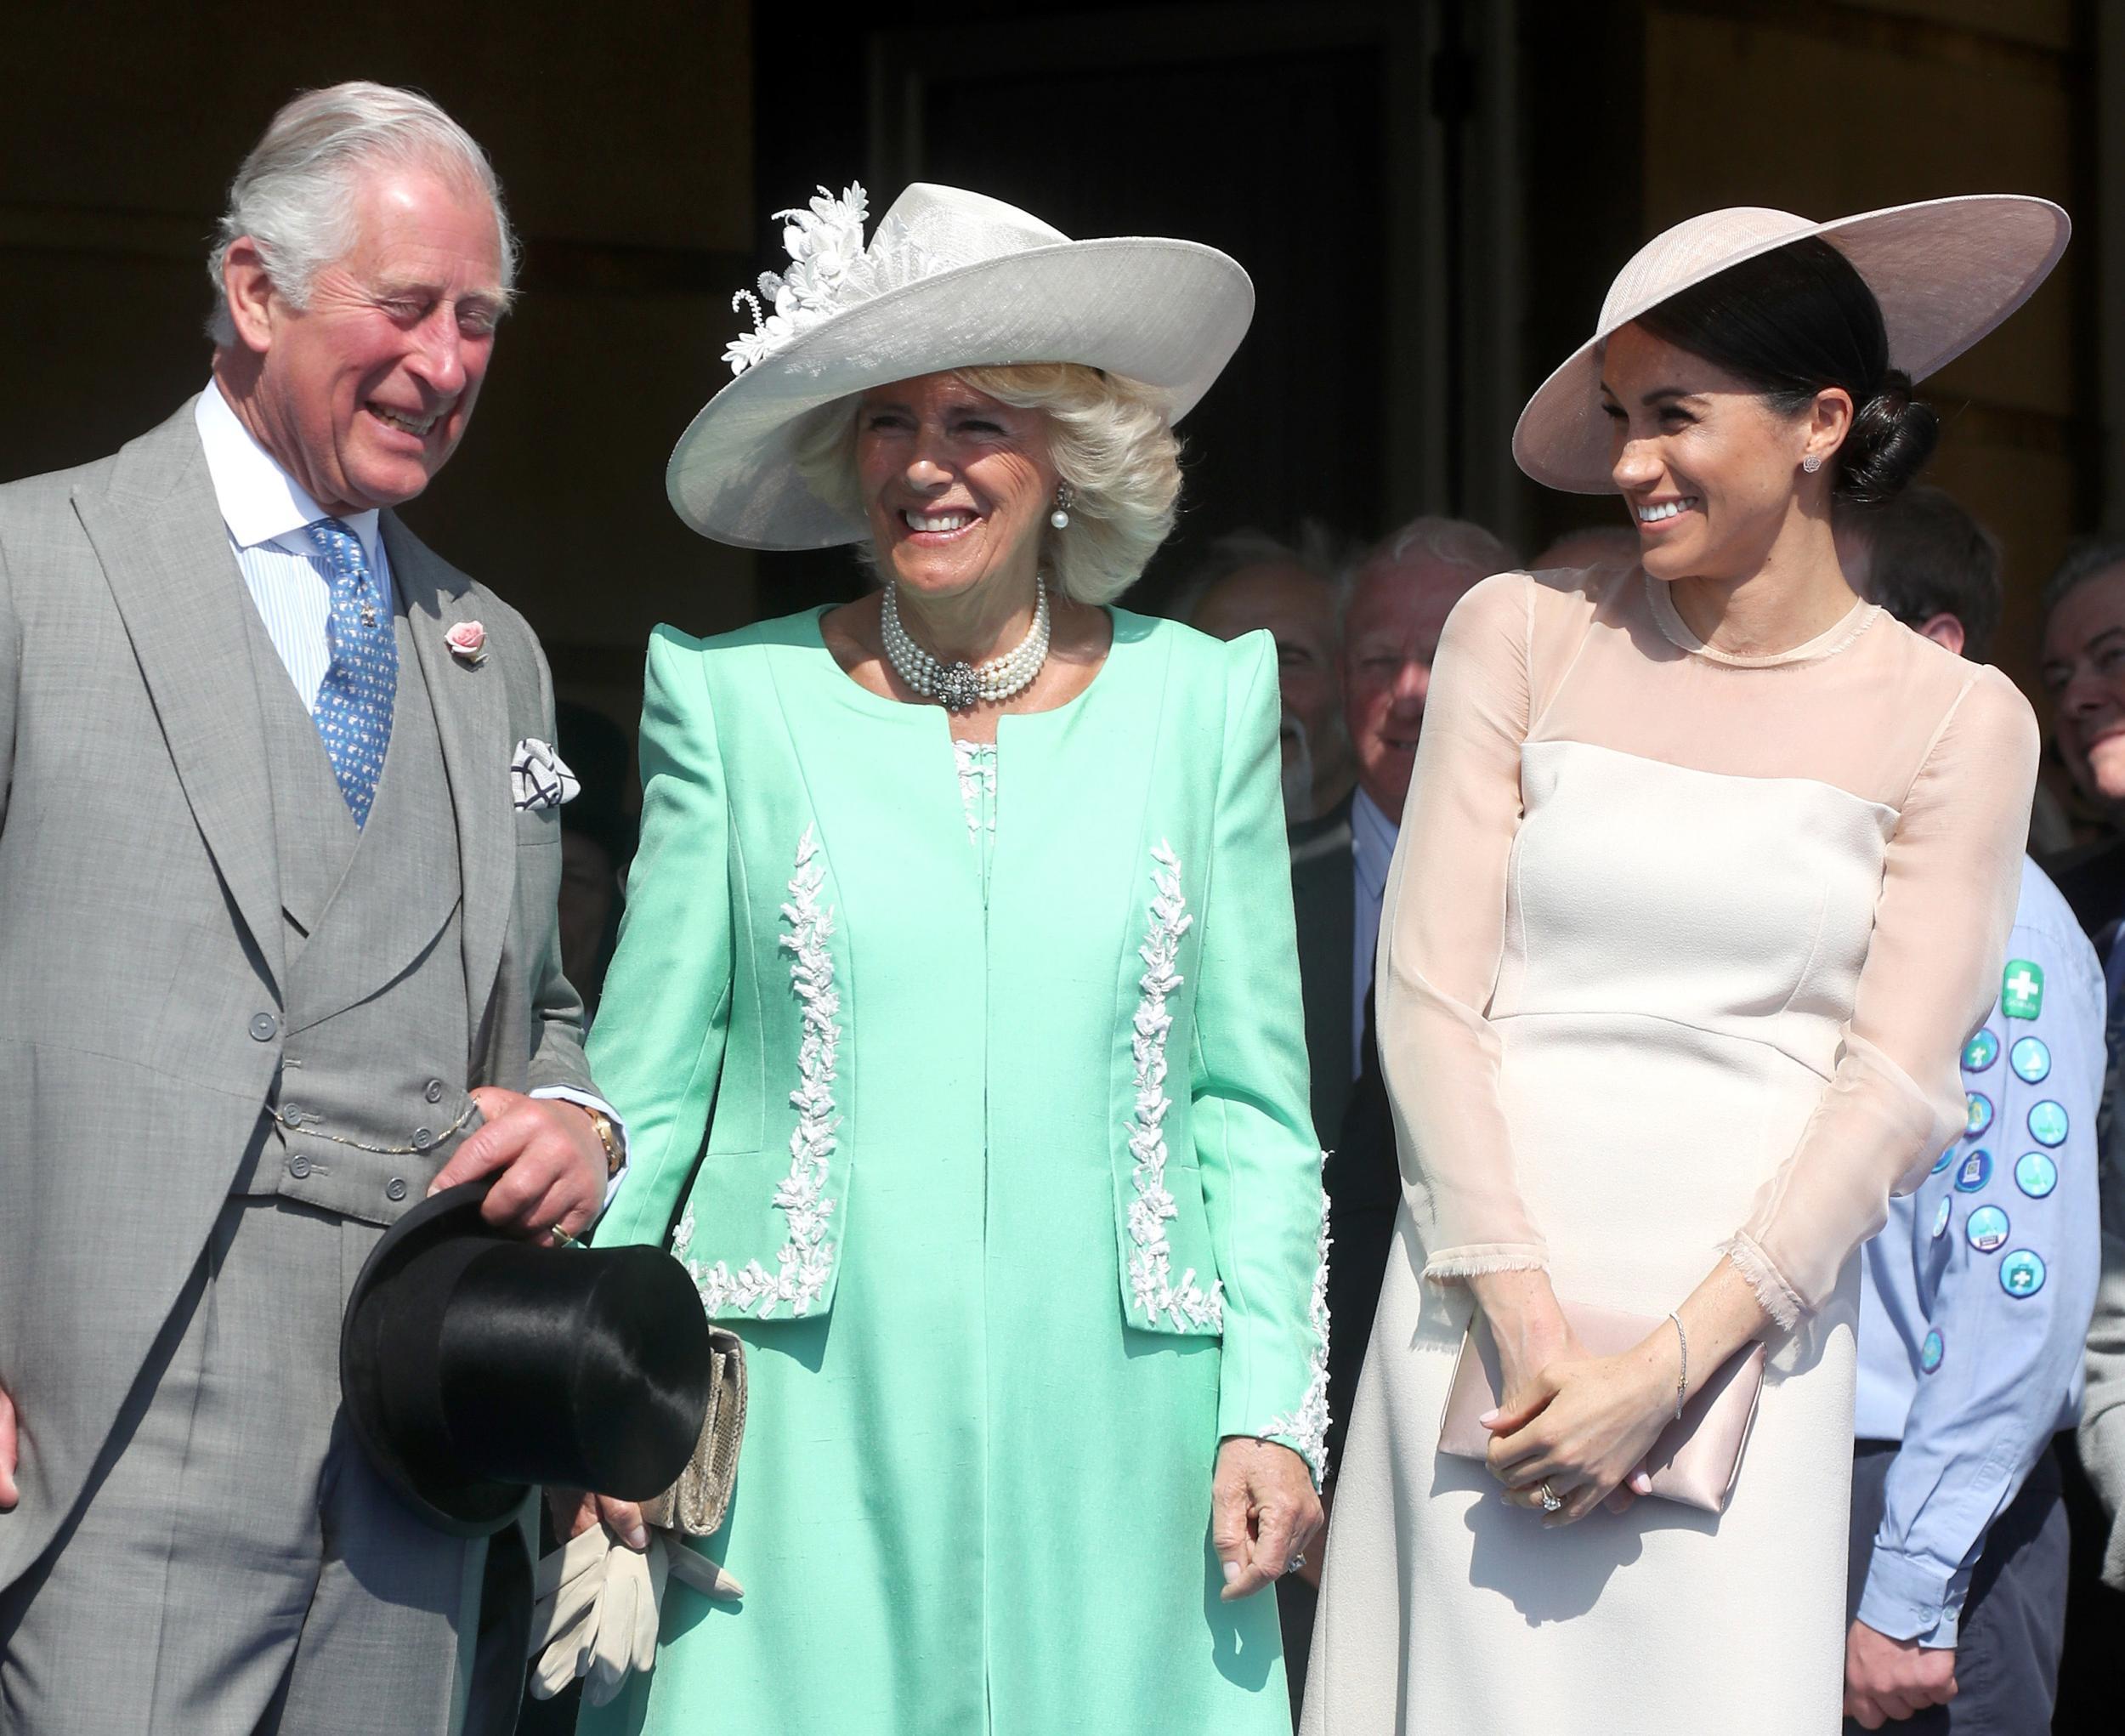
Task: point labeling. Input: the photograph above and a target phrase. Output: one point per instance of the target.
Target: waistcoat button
(422, 1138)
(435, 1091)
(394, 1190)
(264, 1027)
(299, 1168)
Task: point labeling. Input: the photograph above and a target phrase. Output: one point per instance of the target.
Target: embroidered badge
(2035, 1174)
(2048, 1123)
(1980, 1051)
(2021, 1274)
(2021, 989)
(1977, 1115)
(1974, 1172)
(1987, 1229)
(1930, 1353)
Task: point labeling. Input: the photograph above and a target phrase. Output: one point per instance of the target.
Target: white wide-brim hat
(950, 280)
(1945, 272)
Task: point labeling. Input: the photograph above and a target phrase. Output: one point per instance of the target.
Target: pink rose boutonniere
(467, 641)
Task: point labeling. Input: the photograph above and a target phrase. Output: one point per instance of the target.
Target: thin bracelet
(1682, 1380)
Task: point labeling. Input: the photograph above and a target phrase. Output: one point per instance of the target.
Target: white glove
(597, 1609)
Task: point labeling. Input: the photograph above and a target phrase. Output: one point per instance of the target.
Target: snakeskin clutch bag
(693, 1507)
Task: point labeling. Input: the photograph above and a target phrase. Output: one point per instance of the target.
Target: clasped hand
(1582, 1425)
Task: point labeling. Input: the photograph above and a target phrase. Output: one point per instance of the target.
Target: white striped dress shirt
(266, 511)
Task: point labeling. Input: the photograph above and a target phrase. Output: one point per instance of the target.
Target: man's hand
(1887, 1679)
(548, 1162)
(1263, 1513)
(10, 1495)
(575, 1510)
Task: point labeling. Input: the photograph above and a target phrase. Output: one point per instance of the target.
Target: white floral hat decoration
(950, 278)
(1946, 273)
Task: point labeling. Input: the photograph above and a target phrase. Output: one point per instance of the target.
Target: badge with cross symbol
(2021, 989)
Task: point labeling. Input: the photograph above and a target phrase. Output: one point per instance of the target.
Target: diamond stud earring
(1811, 463)
(1064, 495)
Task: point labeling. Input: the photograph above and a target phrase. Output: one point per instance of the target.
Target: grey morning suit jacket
(142, 981)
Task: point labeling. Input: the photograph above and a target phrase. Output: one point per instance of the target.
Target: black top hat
(474, 1365)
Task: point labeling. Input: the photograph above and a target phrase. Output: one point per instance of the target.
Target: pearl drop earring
(1064, 495)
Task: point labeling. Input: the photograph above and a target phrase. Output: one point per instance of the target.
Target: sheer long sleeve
(1949, 880)
(1441, 935)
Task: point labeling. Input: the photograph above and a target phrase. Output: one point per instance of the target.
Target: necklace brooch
(960, 686)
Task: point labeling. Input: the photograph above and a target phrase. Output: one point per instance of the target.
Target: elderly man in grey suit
(278, 847)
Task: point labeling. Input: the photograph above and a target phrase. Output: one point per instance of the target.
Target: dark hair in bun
(1792, 322)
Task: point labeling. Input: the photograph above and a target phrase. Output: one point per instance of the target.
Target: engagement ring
(1551, 1500)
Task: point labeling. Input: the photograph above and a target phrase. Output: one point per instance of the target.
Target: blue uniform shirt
(1975, 1296)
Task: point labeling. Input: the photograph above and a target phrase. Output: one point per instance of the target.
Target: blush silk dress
(1679, 952)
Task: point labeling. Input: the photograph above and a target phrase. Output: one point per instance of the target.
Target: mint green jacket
(1009, 1183)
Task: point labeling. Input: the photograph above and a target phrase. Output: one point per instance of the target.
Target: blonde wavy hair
(1108, 438)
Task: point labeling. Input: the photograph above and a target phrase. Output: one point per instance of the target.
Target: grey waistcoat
(374, 1037)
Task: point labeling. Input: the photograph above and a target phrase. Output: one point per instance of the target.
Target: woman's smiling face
(956, 484)
(1708, 466)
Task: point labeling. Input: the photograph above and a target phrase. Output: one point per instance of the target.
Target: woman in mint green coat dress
(955, 1023)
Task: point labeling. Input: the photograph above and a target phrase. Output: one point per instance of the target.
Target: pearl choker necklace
(960, 686)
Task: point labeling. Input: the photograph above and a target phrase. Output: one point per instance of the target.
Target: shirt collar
(260, 503)
(1372, 840)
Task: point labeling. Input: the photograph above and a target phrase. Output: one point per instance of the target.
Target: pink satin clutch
(1697, 1456)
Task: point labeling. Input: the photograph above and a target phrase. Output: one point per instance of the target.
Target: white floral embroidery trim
(977, 786)
(805, 1261)
(1151, 1264)
(1308, 1425)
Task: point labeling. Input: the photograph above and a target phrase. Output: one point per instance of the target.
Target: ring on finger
(1551, 1500)
(1296, 1562)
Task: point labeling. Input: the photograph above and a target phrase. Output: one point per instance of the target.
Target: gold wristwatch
(607, 1136)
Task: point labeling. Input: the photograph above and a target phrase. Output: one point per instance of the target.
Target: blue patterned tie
(353, 701)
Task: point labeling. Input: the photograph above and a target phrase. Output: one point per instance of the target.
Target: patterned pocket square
(539, 777)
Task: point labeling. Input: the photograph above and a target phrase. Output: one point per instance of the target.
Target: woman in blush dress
(1707, 872)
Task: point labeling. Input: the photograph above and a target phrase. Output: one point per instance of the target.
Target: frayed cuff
(1780, 1300)
(1476, 1259)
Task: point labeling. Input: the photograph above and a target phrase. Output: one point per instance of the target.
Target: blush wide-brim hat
(950, 280)
(1945, 272)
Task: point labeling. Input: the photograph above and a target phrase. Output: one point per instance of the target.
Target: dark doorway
(1267, 131)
